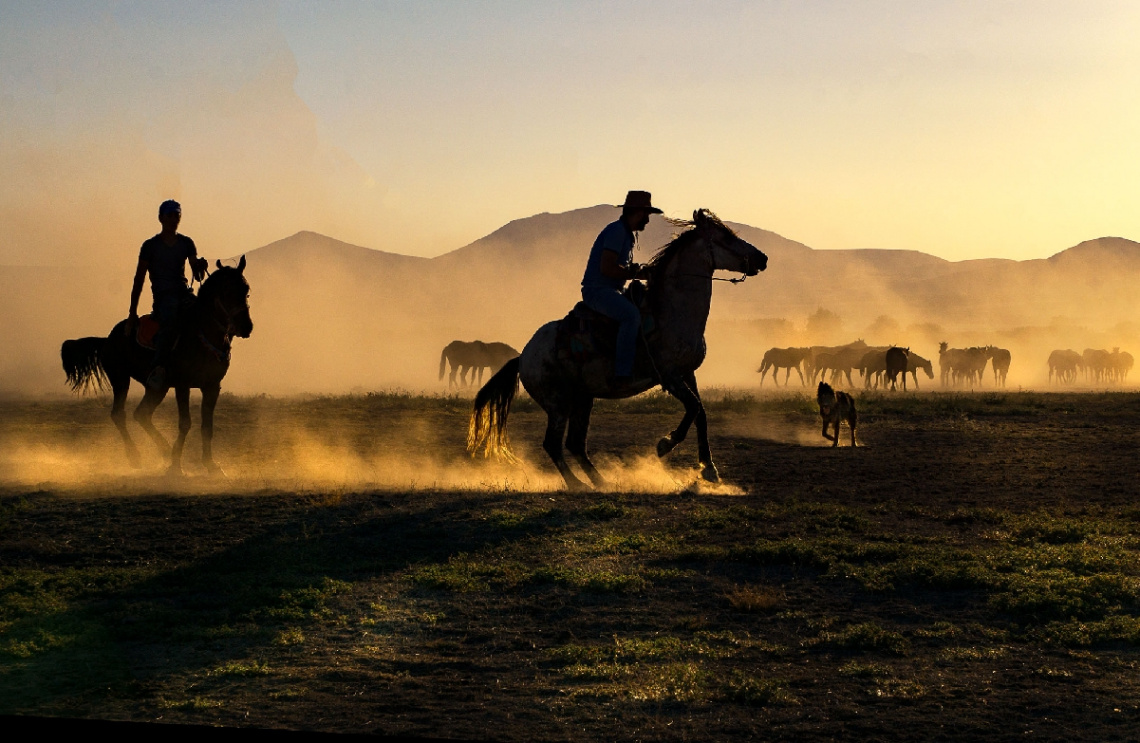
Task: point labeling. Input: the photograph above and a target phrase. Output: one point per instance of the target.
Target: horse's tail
(442, 363)
(83, 363)
(487, 429)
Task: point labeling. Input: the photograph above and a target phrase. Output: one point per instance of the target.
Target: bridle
(225, 323)
(716, 278)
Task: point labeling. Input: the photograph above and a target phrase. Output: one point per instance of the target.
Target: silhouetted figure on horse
(197, 355)
(565, 379)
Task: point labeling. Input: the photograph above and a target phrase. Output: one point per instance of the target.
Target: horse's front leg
(182, 397)
(826, 423)
(209, 402)
(681, 391)
(685, 391)
(704, 453)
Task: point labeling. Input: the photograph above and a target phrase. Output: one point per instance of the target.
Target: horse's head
(225, 297)
(729, 252)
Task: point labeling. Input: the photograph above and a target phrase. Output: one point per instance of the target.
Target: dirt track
(971, 571)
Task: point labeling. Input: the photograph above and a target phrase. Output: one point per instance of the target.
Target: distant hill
(331, 316)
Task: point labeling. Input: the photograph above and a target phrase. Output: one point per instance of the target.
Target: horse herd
(875, 364)
(1098, 365)
(958, 367)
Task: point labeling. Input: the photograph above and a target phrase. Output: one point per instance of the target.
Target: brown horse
(473, 357)
(896, 362)
(679, 295)
(200, 359)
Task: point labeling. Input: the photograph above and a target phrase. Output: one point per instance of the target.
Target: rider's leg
(613, 305)
(166, 309)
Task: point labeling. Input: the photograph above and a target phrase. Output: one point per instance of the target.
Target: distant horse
(782, 358)
(1000, 359)
(896, 360)
(473, 357)
(962, 365)
(872, 366)
(679, 295)
(1121, 364)
(1098, 364)
(200, 359)
(842, 359)
(1065, 364)
(914, 362)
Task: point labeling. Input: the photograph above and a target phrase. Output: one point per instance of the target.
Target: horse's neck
(205, 323)
(683, 301)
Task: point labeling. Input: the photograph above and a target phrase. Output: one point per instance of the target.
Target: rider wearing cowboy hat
(610, 265)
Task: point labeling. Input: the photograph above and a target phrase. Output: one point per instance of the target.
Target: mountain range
(331, 316)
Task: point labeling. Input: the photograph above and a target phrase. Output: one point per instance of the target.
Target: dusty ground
(971, 571)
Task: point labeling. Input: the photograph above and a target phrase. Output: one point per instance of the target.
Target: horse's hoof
(175, 470)
(134, 460)
(577, 486)
(665, 445)
(709, 473)
(213, 470)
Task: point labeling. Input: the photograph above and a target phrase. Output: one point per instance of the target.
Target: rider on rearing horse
(609, 267)
(165, 256)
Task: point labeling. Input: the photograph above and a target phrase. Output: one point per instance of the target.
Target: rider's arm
(610, 267)
(197, 265)
(136, 289)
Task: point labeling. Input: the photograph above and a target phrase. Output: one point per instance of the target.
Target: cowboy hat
(640, 200)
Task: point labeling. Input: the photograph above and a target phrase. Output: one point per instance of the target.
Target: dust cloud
(287, 445)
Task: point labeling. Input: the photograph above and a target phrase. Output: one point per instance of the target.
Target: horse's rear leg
(576, 440)
(552, 444)
(143, 413)
(182, 397)
(119, 416)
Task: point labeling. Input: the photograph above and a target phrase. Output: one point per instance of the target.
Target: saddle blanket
(146, 331)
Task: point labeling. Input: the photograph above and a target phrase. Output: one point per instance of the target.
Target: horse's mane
(681, 240)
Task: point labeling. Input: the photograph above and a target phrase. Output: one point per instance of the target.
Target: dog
(834, 407)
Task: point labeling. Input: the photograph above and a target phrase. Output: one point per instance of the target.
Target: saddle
(585, 334)
(146, 331)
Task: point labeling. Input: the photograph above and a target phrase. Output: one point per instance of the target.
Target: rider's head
(170, 214)
(637, 208)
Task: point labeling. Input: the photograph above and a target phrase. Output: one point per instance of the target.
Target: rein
(717, 278)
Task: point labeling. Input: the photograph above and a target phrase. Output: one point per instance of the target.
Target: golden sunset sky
(961, 129)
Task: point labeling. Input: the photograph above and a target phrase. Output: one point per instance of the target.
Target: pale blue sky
(963, 129)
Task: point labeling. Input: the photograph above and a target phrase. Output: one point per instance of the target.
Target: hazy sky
(963, 129)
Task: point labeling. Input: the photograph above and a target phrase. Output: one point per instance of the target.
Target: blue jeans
(613, 305)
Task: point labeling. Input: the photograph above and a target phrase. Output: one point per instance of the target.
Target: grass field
(971, 571)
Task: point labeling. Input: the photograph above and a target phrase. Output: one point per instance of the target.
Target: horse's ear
(697, 215)
(241, 265)
(219, 263)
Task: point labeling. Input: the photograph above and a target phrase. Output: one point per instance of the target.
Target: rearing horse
(200, 359)
(679, 296)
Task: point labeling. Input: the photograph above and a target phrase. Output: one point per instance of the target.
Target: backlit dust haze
(402, 175)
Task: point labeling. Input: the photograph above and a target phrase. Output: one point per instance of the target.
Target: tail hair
(442, 362)
(487, 428)
(83, 363)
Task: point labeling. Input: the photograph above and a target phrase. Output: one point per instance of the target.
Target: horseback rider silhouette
(165, 256)
(610, 265)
